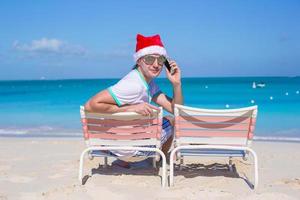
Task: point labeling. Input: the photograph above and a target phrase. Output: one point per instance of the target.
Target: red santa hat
(148, 45)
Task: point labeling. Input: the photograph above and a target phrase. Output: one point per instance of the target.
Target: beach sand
(47, 168)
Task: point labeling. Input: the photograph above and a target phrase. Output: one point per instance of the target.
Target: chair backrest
(214, 126)
(121, 129)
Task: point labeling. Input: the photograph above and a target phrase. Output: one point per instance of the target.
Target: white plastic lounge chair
(214, 132)
(122, 131)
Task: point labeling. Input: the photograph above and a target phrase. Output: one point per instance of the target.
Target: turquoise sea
(46, 108)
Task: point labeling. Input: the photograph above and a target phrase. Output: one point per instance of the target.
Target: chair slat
(212, 126)
(235, 141)
(248, 111)
(122, 130)
(110, 136)
(105, 142)
(226, 120)
(113, 122)
(122, 116)
(188, 133)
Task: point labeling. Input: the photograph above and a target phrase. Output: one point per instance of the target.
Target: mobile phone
(168, 66)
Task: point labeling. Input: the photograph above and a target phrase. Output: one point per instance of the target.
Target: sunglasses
(149, 60)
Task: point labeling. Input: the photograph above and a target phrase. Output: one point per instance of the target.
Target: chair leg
(171, 174)
(105, 162)
(163, 165)
(80, 174)
(90, 156)
(164, 169)
(164, 162)
(255, 163)
(245, 158)
(154, 162)
(181, 162)
(230, 164)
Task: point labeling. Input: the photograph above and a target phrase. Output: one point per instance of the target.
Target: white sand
(32, 168)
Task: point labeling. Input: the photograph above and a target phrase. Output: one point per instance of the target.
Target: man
(137, 89)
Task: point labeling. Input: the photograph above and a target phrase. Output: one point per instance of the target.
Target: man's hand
(144, 109)
(175, 77)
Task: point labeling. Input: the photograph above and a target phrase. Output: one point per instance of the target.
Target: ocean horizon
(117, 78)
(50, 108)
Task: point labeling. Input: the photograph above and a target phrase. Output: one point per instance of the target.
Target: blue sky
(96, 39)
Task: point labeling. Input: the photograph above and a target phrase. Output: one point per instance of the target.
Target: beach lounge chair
(122, 131)
(214, 132)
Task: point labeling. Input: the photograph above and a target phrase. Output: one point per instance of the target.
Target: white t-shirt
(133, 89)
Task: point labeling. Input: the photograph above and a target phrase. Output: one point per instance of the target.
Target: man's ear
(139, 62)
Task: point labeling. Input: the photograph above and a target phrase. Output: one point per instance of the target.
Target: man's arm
(168, 103)
(103, 102)
(163, 100)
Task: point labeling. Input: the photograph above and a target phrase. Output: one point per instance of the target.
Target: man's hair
(135, 66)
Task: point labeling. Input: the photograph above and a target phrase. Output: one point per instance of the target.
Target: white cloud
(53, 46)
